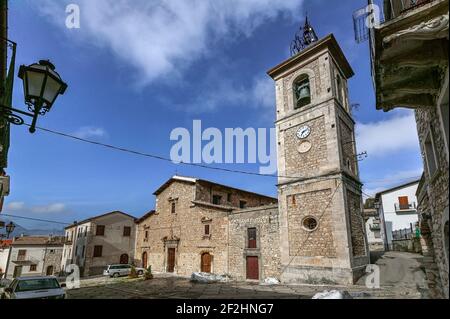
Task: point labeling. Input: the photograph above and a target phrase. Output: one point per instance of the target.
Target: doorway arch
(206, 260)
(124, 259)
(49, 271)
(144, 259)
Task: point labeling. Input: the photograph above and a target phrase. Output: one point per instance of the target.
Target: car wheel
(116, 275)
(140, 272)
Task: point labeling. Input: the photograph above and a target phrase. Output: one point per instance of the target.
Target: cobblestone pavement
(401, 278)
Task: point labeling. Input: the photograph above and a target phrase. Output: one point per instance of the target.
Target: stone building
(319, 192)
(410, 69)
(34, 256)
(189, 229)
(254, 244)
(94, 243)
(314, 232)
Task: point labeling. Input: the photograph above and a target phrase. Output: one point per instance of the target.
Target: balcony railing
(405, 207)
(395, 8)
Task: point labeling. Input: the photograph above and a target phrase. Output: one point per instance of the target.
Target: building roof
(193, 180)
(96, 217)
(329, 41)
(5, 243)
(38, 241)
(144, 217)
(389, 190)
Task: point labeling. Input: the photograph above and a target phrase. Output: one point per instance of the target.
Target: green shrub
(148, 273)
(133, 273)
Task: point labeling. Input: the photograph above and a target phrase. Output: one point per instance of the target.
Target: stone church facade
(314, 232)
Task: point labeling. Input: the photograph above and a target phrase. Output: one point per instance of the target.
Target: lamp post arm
(11, 109)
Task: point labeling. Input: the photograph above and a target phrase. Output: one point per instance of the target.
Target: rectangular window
(146, 234)
(251, 234)
(33, 267)
(100, 230)
(430, 155)
(21, 254)
(98, 251)
(403, 202)
(242, 204)
(217, 199)
(127, 231)
(207, 230)
(174, 208)
(229, 198)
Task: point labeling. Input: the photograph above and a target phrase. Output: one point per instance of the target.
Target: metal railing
(395, 8)
(405, 207)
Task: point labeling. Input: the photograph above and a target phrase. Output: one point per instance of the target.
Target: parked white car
(40, 287)
(121, 270)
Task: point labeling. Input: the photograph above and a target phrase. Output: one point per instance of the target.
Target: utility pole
(4, 125)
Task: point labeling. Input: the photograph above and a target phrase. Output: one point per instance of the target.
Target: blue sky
(138, 69)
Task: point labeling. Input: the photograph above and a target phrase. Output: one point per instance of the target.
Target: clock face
(303, 132)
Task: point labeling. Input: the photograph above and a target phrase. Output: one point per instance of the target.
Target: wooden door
(144, 260)
(404, 202)
(206, 263)
(49, 271)
(124, 259)
(170, 259)
(17, 271)
(252, 268)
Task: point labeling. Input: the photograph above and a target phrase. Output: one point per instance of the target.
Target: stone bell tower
(320, 203)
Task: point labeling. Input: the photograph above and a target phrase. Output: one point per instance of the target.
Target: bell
(303, 95)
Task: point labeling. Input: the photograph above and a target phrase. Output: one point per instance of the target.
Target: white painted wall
(400, 220)
(393, 220)
(3, 259)
(373, 236)
(34, 255)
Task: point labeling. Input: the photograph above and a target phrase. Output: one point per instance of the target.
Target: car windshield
(37, 284)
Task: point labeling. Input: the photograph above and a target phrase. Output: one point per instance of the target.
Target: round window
(310, 223)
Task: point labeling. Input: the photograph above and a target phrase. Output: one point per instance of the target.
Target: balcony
(409, 53)
(396, 8)
(410, 207)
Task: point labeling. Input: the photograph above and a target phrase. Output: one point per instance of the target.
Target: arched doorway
(144, 260)
(124, 259)
(49, 271)
(206, 262)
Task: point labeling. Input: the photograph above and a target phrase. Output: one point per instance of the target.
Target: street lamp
(9, 229)
(42, 85)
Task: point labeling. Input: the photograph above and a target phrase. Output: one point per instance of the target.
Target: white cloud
(15, 206)
(90, 131)
(382, 138)
(49, 209)
(21, 207)
(391, 180)
(260, 94)
(160, 37)
(263, 93)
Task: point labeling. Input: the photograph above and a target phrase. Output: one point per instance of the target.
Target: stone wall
(436, 187)
(312, 160)
(184, 230)
(230, 196)
(266, 222)
(52, 258)
(356, 224)
(303, 242)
